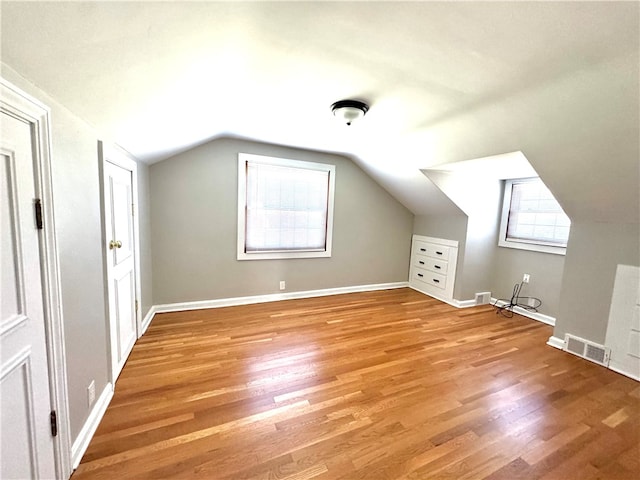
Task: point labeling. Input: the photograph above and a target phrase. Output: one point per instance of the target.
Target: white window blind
(535, 216)
(287, 207)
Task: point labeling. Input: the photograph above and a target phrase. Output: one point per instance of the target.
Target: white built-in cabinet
(433, 266)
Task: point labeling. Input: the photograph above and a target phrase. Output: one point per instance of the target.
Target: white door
(120, 263)
(623, 330)
(25, 404)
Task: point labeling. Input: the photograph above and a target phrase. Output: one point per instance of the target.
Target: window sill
(533, 247)
(282, 255)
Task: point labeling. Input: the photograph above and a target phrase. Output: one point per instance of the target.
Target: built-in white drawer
(431, 278)
(433, 264)
(431, 250)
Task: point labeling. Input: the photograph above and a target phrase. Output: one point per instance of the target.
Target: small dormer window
(532, 219)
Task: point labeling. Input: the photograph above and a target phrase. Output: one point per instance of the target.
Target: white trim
(613, 365)
(503, 241)
(243, 158)
(274, 297)
(472, 303)
(36, 113)
(450, 301)
(556, 342)
(540, 317)
(91, 425)
(146, 321)
(465, 303)
(438, 241)
(532, 247)
(560, 345)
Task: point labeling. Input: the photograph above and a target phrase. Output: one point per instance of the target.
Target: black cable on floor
(516, 300)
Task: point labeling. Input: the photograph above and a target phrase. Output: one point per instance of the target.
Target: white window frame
(242, 254)
(531, 245)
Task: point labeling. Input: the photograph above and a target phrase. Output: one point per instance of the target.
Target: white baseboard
(146, 321)
(465, 303)
(622, 370)
(451, 301)
(540, 317)
(273, 297)
(91, 425)
(556, 342)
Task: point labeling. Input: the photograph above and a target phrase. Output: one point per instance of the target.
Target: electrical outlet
(91, 392)
(525, 278)
(283, 285)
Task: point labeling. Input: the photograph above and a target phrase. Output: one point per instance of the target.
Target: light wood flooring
(376, 385)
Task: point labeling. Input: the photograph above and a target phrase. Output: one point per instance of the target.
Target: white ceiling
(446, 81)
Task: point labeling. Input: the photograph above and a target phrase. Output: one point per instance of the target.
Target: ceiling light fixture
(349, 110)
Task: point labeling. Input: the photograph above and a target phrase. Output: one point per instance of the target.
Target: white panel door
(120, 263)
(25, 405)
(623, 329)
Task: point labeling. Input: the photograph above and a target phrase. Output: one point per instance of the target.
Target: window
(532, 218)
(285, 208)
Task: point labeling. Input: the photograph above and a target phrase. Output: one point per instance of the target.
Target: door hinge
(136, 307)
(38, 211)
(53, 417)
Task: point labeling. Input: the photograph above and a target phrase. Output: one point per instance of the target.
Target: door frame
(23, 106)
(118, 156)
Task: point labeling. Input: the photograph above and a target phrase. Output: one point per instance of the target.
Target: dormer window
(532, 219)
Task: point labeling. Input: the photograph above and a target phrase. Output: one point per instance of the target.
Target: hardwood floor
(375, 385)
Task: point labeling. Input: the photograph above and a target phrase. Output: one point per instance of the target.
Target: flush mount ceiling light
(349, 110)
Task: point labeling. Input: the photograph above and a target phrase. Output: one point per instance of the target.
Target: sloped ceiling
(446, 81)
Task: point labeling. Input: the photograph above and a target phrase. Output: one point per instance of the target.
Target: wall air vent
(483, 298)
(584, 348)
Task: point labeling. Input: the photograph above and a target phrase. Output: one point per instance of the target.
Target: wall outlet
(525, 278)
(531, 302)
(283, 285)
(91, 392)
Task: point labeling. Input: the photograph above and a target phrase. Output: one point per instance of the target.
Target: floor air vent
(586, 349)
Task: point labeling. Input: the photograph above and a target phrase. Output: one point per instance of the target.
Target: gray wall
(593, 253)
(194, 224)
(482, 265)
(451, 227)
(510, 264)
(545, 269)
(481, 242)
(144, 224)
(76, 193)
(480, 200)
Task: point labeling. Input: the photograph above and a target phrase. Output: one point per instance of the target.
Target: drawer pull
(438, 267)
(436, 280)
(439, 253)
(421, 262)
(423, 249)
(420, 275)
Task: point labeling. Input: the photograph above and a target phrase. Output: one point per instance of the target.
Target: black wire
(516, 301)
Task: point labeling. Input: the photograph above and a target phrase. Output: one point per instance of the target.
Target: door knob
(115, 244)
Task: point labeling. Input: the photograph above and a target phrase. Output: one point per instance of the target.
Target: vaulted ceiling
(446, 81)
